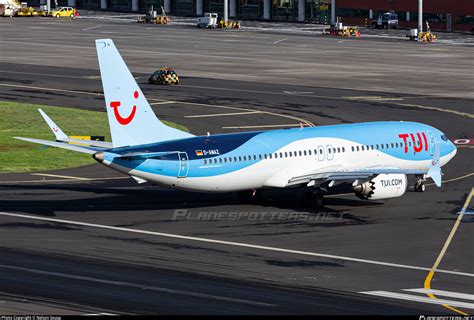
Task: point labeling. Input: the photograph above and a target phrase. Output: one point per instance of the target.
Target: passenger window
(240, 158)
(315, 152)
(300, 153)
(352, 148)
(357, 148)
(286, 154)
(254, 157)
(309, 152)
(377, 146)
(269, 156)
(343, 149)
(205, 161)
(304, 152)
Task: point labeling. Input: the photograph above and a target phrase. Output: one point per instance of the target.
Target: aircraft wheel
(420, 187)
(318, 198)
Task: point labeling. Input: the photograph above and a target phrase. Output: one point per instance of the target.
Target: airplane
(373, 158)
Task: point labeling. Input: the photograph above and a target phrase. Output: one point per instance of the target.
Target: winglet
(60, 135)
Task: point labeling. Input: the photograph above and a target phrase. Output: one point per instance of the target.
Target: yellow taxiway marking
(427, 284)
(222, 114)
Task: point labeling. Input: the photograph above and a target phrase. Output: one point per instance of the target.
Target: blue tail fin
(131, 119)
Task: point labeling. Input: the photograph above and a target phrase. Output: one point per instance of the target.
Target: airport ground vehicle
(8, 8)
(209, 20)
(63, 12)
(386, 21)
(152, 17)
(338, 29)
(26, 12)
(374, 158)
(164, 75)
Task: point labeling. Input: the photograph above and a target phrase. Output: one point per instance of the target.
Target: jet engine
(383, 186)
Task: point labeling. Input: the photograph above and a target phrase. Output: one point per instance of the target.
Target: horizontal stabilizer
(62, 145)
(93, 143)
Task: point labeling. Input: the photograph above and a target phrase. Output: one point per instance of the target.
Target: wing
(339, 174)
(145, 155)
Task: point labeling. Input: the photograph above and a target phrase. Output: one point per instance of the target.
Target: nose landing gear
(420, 184)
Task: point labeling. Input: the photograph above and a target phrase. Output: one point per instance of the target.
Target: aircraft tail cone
(99, 157)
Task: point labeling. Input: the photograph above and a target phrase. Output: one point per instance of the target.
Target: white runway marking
(61, 180)
(265, 126)
(59, 176)
(235, 244)
(93, 27)
(412, 297)
(136, 286)
(222, 114)
(162, 102)
(281, 40)
(450, 294)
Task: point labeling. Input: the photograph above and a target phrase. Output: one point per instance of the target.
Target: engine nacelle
(383, 186)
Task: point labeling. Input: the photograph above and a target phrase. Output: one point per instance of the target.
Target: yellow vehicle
(26, 12)
(62, 12)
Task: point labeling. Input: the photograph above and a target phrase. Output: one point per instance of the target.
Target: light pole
(226, 10)
(333, 11)
(420, 16)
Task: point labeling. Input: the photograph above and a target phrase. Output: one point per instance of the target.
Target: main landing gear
(314, 198)
(420, 184)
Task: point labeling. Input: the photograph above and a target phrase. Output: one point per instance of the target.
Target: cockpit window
(444, 137)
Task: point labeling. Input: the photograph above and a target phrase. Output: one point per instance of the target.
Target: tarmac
(89, 240)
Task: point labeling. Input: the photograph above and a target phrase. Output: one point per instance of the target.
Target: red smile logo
(124, 121)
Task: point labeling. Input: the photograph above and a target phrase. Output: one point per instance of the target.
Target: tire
(150, 80)
(71, 15)
(58, 16)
